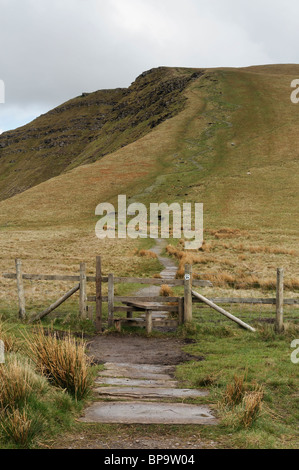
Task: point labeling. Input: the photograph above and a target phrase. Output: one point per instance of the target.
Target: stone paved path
(141, 393)
(144, 394)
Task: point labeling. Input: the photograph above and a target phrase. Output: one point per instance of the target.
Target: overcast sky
(53, 50)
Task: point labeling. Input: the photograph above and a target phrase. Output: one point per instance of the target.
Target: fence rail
(179, 305)
(252, 301)
(117, 280)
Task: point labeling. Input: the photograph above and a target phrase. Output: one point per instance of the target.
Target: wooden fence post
(83, 297)
(279, 326)
(21, 294)
(99, 319)
(110, 300)
(188, 294)
(181, 310)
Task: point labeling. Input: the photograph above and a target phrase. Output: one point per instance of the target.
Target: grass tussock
(18, 427)
(146, 254)
(235, 391)
(11, 343)
(227, 233)
(64, 362)
(242, 402)
(16, 383)
(166, 291)
(252, 404)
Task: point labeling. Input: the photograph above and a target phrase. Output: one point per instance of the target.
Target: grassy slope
(187, 158)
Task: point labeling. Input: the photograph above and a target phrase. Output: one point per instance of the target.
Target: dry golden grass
(18, 427)
(242, 402)
(157, 276)
(64, 362)
(236, 272)
(15, 383)
(252, 404)
(147, 254)
(11, 343)
(235, 391)
(166, 291)
(228, 233)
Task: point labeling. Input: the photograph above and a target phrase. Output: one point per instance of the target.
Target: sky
(53, 50)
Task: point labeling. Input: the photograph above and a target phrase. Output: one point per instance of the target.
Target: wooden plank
(138, 322)
(98, 298)
(148, 281)
(279, 326)
(83, 297)
(160, 282)
(117, 280)
(236, 300)
(223, 312)
(133, 299)
(20, 287)
(249, 300)
(188, 294)
(56, 304)
(147, 305)
(110, 300)
(123, 309)
(131, 308)
(202, 284)
(43, 277)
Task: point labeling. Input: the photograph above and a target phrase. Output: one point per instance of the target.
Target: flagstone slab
(125, 382)
(150, 393)
(148, 413)
(137, 371)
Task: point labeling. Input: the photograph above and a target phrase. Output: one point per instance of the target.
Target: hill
(231, 143)
(88, 127)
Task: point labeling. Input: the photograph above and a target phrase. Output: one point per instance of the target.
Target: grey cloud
(53, 50)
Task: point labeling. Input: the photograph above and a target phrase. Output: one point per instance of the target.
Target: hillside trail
(137, 387)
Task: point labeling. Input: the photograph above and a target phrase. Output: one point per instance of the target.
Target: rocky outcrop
(88, 127)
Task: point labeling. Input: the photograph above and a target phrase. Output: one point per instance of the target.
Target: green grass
(265, 359)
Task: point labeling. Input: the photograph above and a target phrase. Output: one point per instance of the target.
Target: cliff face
(88, 127)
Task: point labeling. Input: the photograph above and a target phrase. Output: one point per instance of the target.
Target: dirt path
(138, 350)
(168, 273)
